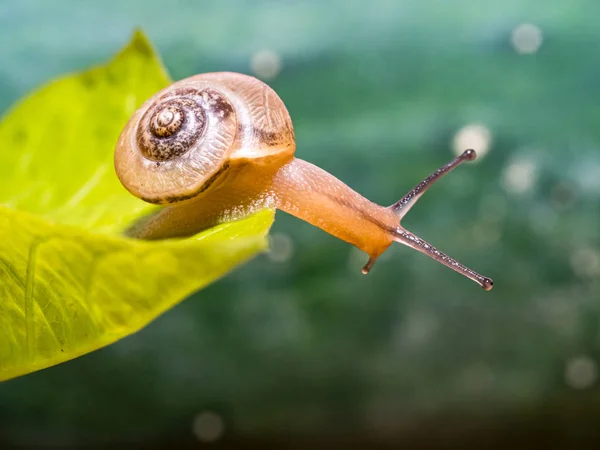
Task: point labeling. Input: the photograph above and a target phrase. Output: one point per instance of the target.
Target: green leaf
(57, 153)
(69, 282)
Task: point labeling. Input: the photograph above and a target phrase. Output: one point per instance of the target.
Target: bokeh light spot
(520, 176)
(281, 248)
(475, 136)
(581, 372)
(526, 38)
(585, 262)
(208, 426)
(266, 64)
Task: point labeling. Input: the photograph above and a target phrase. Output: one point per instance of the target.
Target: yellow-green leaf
(69, 282)
(57, 144)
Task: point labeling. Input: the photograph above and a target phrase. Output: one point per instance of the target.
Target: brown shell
(182, 140)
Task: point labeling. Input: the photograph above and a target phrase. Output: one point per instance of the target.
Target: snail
(219, 146)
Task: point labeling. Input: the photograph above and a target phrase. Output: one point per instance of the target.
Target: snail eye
(171, 128)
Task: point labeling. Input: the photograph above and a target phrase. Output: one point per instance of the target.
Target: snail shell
(184, 140)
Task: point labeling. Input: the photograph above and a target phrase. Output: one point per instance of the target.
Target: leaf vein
(29, 300)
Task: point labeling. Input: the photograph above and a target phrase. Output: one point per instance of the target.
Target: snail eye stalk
(403, 236)
(402, 206)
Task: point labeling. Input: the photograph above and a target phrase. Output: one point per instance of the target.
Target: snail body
(220, 146)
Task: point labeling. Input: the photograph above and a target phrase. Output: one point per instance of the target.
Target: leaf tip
(139, 43)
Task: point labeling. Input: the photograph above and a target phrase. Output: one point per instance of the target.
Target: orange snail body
(220, 146)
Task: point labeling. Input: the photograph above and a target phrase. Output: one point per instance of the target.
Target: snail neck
(317, 197)
(296, 187)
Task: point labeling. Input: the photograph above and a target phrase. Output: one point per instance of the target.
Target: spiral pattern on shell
(171, 127)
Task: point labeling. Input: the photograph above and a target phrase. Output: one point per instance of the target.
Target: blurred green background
(298, 349)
